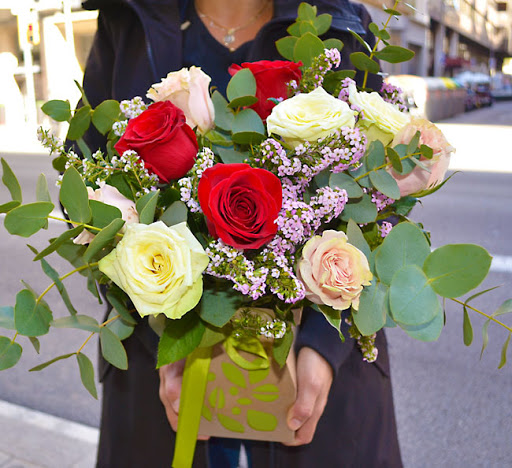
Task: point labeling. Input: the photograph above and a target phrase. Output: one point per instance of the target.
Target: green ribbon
(193, 389)
(250, 345)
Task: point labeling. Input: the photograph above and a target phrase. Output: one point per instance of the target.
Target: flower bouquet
(221, 218)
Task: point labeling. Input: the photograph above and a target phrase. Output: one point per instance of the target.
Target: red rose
(241, 204)
(271, 79)
(162, 139)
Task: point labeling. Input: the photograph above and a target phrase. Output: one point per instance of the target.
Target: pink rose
(110, 196)
(333, 271)
(188, 89)
(420, 179)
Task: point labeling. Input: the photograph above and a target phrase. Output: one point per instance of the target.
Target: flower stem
(14, 337)
(69, 221)
(104, 324)
(377, 42)
(76, 270)
(383, 166)
(489, 317)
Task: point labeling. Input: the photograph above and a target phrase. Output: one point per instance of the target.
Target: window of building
(501, 6)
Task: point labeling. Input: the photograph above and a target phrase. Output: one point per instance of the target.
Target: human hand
(314, 379)
(171, 377)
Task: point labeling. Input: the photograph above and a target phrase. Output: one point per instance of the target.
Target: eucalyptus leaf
(231, 156)
(30, 317)
(6, 207)
(455, 269)
(146, 206)
(112, 349)
(361, 41)
(467, 328)
(504, 350)
(103, 239)
(58, 110)
(346, 182)
(79, 123)
(119, 327)
(362, 210)
(371, 313)
(333, 317)
(306, 11)
(118, 299)
(427, 332)
(224, 116)
(364, 63)
(42, 192)
(376, 155)
(217, 138)
(7, 318)
(10, 353)
(322, 23)
(218, 306)
(394, 159)
(241, 84)
(87, 374)
(26, 220)
(103, 214)
(282, 347)
(176, 213)
(244, 101)
(59, 241)
(74, 197)
(394, 54)
(35, 343)
(308, 47)
(80, 322)
(356, 238)
(385, 183)
(286, 45)
(307, 27)
(104, 116)
(44, 365)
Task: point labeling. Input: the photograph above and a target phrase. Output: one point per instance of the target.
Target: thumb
(302, 409)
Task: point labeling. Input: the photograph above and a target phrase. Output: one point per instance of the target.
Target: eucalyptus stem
(69, 221)
(383, 166)
(104, 324)
(76, 270)
(14, 337)
(377, 42)
(489, 317)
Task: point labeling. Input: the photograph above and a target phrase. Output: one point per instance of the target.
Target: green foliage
(42, 192)
(7, 318)
(385, 183)
(10, 353)
(44, 365)
(112, 349)
(455, 269)
(332, 316)
(118, 300)
(308, 47)
(175, 214)
(180, 338)
(104, 238)
(104, 116)
(224, 116)
(361, 210)
(74, 198)
(59, 241)
(119, 327)
(467, 328)
(79, 123)
(361, 41)
(103, 214)
(80, 322)
(242, 84)
(31, 318)
(282, 347)
(286, 46)
(248, 128)
(146, 207)
(394, 54)
(345, 181)
(87, 374)
(371, 314)
(26, 220)
(218, 305)
(6, 207)
(11, 182)
(231, 156)
(404, 245)
(504, 350)
(356, 238)
(429, 331)
(364, 63)
(58, 110)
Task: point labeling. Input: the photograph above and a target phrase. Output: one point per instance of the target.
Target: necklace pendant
(229, 38)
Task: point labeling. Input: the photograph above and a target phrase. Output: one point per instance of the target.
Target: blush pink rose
(188, 89)
(333, 271)
(110, 196)
(420, 179)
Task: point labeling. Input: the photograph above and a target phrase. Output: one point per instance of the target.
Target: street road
(453, 409)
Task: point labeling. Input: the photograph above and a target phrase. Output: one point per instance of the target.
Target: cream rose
(159, 267)
(420, 179)
(309, 117)
(188, 89)
(381, 119)
(110, 196)
(333, 271)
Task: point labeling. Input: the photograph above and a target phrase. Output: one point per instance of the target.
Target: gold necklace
(229, 36)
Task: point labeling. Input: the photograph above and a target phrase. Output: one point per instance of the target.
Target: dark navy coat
(137, 43)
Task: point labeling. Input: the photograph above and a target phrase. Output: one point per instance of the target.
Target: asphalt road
(453, 409)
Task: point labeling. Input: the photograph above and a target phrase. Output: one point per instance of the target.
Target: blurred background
(453, 408)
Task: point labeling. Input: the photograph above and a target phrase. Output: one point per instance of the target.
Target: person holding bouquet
(343, 415)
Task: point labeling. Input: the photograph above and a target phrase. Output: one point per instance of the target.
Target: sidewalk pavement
(53, 442)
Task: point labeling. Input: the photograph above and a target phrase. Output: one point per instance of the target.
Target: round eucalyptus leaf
(429, 331)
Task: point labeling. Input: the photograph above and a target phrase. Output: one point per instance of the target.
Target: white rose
(159, 267)
(383, 115)
(188, 89)
(309, 117)
(110, 196)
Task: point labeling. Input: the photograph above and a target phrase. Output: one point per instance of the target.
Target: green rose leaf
(31, 318)
(44, 365)
(146, 207)
(394, 54)
(308, 47)
(73, 196)
(404, 245)
(322, 23)
(411, 298)
(282, 347)
(455, 269)
(385, 183)
(103, 214)
(231, 156)
(180, 338)
(218, 306)
(11, 182)
(102, 239)
(345, 181)
(175, 214)
(105, 115)
(371, 314)
(364, 63)
(427, 332)
(58, 110)
(42, 192)
(356, 238)
(7, 318)
(80, 322)
(224, 116)
(241, 84)
(87, 374)
(362, 210)
(79, 123)
(10, 353)
(286, 46)
(56, 243)
(112, 349)
(26, 220)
